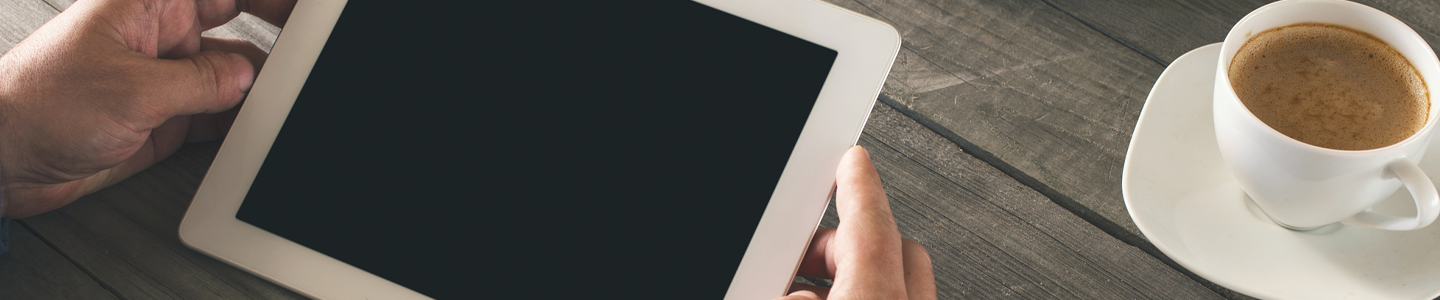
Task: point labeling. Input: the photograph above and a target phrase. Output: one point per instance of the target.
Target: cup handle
(1427, 201)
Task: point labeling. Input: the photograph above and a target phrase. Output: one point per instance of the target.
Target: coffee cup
(1300, 185)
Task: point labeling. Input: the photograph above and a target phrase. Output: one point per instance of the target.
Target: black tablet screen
(591, 148)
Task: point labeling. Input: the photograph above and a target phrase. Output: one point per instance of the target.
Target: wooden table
(1000, 135)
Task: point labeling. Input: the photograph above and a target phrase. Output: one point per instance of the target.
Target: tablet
(415, 150)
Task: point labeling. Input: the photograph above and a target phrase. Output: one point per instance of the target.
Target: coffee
(1330, 86)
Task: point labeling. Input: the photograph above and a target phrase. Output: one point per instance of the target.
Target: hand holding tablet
(865, 256)
(86, 104)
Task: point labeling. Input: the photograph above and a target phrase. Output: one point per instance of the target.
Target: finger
(860, 199)
(213, 13)
(217, 12)
(177, 39)
(801, 295)
(818, 292)
(867, 254)
(208, 82)
(245, 48)
(211, 127)
(919, 274)
(816, 262)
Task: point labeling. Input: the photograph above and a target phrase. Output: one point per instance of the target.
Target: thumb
(207, 82)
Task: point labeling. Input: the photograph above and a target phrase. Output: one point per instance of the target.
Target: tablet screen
(581, 148)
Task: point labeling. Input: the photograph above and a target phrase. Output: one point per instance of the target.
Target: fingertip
(856, 151)
(818, 261)
(857, 174)
(856, 157)
(244, 72)
(914, 250)
(919, 273)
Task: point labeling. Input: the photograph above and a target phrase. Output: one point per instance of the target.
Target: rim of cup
(1386, 20)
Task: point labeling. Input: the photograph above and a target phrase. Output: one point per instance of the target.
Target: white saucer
(1185, 201)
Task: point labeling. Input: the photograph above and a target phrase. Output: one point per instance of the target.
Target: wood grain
(32, 270)
(1165, 29)
(1168, 29)
(991, 237)
(250, 28)
(18, 18)
(58, 4)
(1026, 82)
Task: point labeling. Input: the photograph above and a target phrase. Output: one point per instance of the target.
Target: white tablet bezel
(866, 47)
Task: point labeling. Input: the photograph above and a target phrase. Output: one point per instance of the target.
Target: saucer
(1184, 199)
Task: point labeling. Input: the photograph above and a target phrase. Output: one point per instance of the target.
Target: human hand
(865, 256)
(109, 87)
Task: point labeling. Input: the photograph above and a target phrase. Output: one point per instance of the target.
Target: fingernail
(245, 72)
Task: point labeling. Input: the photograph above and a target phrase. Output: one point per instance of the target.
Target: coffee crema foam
(1330, 86)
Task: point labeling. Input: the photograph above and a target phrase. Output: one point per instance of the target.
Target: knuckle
(213, 68)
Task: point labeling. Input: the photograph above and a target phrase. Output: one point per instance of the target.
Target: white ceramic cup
(1301, 186)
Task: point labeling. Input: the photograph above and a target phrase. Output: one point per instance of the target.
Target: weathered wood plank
(1168, 29)
(18, 18)
(992, 237)
(248, 27)
(1026, 83)
(1164, 29)
(59, 4)
(126, 236)
(32, 270)
(1031, 90)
